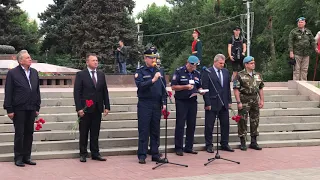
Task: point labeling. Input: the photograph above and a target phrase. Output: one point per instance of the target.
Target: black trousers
(23, 122)
(210, 118)
(90, 122)
(186, 113)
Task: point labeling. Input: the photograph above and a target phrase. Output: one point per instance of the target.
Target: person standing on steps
(151, 99)
(90, 84)
(22, 101)
(248, 91)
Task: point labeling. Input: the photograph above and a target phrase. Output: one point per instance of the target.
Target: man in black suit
(22, 102)
(213, 106)
(90, 84)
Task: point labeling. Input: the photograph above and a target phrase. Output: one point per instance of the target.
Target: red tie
(94, 78)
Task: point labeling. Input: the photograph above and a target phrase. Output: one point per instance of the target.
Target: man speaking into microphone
(185, 82)
(151, 99)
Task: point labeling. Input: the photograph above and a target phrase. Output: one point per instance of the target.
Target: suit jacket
(211, 98)
(18, 94)
(84, 89)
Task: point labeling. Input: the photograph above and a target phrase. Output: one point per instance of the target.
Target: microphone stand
(166, 161)
(217, 156)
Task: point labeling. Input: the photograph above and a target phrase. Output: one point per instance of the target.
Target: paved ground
(272, 163)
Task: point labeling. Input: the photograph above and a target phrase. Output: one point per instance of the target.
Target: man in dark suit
(90, 84)
(22, 102)
(213, 106)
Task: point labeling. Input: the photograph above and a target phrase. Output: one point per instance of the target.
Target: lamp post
(140, 34)
(248, 26)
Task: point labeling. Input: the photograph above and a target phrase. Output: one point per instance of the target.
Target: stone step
(7, 147)
(133, 150)
(134, 100)
(64, 117)
(57, 135)
(8, 127)
(273, 98)
(171, 107)
(4, 128)
(131, 92)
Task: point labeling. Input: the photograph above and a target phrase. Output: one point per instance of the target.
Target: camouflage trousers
(250, 109)
(300, 71)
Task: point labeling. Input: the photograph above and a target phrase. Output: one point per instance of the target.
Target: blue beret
(193, 59)
(248, 59)
(301, 19)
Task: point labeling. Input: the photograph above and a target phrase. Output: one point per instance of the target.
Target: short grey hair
(218, 57)
(20, 53)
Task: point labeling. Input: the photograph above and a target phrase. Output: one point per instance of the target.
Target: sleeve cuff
(9, 110)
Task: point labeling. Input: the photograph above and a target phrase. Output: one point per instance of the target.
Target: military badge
(174, 77)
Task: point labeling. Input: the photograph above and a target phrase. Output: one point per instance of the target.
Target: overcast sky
(33, 7)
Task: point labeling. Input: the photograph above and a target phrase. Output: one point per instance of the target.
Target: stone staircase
(288, 119)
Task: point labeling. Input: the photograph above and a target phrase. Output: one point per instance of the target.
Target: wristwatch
(238, 102)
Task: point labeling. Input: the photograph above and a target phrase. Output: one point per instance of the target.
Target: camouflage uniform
(301, 43)
(248, 87)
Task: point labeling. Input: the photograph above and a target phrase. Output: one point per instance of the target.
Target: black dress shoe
(98, 158)
(83, 159)
(19, 163)
(29, 162)
(142, 161)
(179, 153)
(190, 151)
(227, 148)
(158, 159)
(210, 150)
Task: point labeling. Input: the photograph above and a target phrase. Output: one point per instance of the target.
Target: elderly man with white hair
(22, 102)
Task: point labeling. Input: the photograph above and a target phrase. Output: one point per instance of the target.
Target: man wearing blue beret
(248, 90)
(186, 81)
(301, 43)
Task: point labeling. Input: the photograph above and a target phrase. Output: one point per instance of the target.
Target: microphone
(206, 69)
(155, 65)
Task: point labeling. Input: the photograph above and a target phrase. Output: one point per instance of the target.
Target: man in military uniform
(248, 90)
(196, 47)
(301, 43)
(185, 82)
(151, 99)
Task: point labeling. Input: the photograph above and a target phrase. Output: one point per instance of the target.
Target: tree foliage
(78, 27)
(273, 20)
(16, 29)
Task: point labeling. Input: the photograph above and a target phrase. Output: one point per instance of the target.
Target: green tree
(16, 29)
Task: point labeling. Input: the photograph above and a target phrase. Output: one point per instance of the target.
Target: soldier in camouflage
(301, 43)
(248, 90)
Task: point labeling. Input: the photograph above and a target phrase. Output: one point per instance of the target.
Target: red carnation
(165, 114)
(169, 94)
(89, 103)
(37, 128)
(41, 120)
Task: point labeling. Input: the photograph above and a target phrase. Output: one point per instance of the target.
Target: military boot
(243, 145)
(254, 144)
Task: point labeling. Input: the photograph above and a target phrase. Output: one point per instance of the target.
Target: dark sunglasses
(194, 63)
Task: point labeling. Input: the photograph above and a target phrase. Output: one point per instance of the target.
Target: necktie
(219, 75)
(94, 78)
